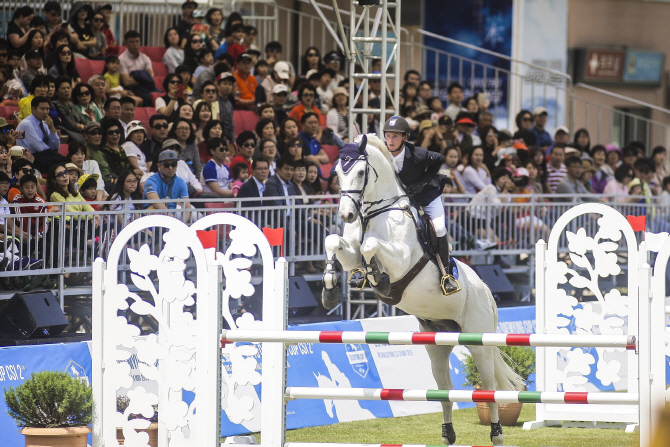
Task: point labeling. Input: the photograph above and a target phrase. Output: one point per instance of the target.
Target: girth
(398, 287)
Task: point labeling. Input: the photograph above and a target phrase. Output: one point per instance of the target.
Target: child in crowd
(74, 172)
(112, 76)
(206, 59)
(34, 225)
(237, 46)
(240, 175)
(88, 186)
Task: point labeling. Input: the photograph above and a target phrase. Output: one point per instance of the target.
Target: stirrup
(449, 280)
(364, 277)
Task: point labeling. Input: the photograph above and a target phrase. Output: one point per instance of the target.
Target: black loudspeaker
(301, 300)
(495, 278)
(34, 314)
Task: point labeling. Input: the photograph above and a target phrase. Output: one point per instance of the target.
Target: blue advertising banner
(17, 363)
(483, 23)
(645, 67)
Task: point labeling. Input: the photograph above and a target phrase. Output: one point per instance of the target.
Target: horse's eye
(361, 173)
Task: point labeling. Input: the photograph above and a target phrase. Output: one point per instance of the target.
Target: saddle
(428, 240)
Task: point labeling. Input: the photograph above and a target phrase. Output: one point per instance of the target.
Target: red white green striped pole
(431, 338)
(501, 397)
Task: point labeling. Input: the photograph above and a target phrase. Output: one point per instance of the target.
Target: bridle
(363, 207)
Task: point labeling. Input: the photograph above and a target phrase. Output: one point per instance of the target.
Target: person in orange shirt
(307, 97)
(246, 83)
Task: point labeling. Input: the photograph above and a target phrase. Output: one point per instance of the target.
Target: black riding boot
(449, 283)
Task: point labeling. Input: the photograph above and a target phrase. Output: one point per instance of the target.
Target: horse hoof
(330, 298)
(448, 434)
(497, 436)
(384, 286)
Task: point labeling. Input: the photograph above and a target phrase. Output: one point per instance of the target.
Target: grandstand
(487, 225)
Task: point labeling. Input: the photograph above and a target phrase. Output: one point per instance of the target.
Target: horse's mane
(375, 142)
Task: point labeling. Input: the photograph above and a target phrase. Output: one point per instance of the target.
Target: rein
(367, 215)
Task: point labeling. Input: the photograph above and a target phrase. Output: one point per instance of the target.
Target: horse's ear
(362, 143)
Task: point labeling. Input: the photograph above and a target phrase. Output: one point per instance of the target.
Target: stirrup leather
(363, 275)
(446, 279)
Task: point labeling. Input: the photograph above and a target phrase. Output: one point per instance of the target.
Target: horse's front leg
(382, 257)
(349, 256)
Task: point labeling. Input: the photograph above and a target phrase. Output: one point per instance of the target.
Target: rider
(418, 170)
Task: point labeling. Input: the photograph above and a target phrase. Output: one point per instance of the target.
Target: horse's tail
(506, 378)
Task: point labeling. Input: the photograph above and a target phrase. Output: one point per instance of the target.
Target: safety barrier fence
(430, 338)
(508, 228)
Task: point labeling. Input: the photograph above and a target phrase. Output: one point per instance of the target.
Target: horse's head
(353, 172)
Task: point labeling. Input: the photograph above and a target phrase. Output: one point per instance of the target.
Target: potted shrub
(522, 361)
(53, 408)
(122, 403)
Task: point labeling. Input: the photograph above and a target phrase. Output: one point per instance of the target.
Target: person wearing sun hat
(165, 184)
(465, 126)
(135, 136)
(337, 118)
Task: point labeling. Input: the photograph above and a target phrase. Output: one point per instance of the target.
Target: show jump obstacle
(610, 339)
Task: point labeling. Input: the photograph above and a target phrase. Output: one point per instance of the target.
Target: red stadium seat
(8, 112)
(158, 80)
(155, 96)
(244, 120)
(154, 53)
(332, 151)
(88, 68)
(219, 205)
(63, 150)
(159, 69)
(144, 113)
(325, 170)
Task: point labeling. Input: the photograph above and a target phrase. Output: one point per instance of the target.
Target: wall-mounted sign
(604, 65)
(618, 66)
(643, 67)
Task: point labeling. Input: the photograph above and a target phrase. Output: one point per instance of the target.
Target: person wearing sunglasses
(246, 145)
(20, 168)
(307, 97)
(159, 132)
(82, 97)
(193, 46)
(71, 118)
(97, 51)
(76, 154)
(111, 157)
(79, 22)
(311, 60)
(165, 184)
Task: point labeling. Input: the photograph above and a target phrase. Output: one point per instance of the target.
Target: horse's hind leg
(483, 356)
(439, 362)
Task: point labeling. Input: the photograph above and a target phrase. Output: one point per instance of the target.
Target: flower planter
(152, 431)
(56, 437)
(509, 413)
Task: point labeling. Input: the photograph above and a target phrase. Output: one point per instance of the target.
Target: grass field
(426, 429)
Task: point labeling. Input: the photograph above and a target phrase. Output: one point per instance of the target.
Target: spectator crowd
(74, 137)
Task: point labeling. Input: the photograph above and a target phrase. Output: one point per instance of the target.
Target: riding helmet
(397, 124)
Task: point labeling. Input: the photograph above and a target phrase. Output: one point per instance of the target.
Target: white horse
(380, 235)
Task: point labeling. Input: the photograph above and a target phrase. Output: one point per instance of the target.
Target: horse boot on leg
(448, 434)
(330, 297)
(448, 282)
(380, 281)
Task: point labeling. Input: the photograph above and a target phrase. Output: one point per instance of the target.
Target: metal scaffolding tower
(368, 19)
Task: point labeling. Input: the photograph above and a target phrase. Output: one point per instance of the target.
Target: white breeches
(435, 212)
